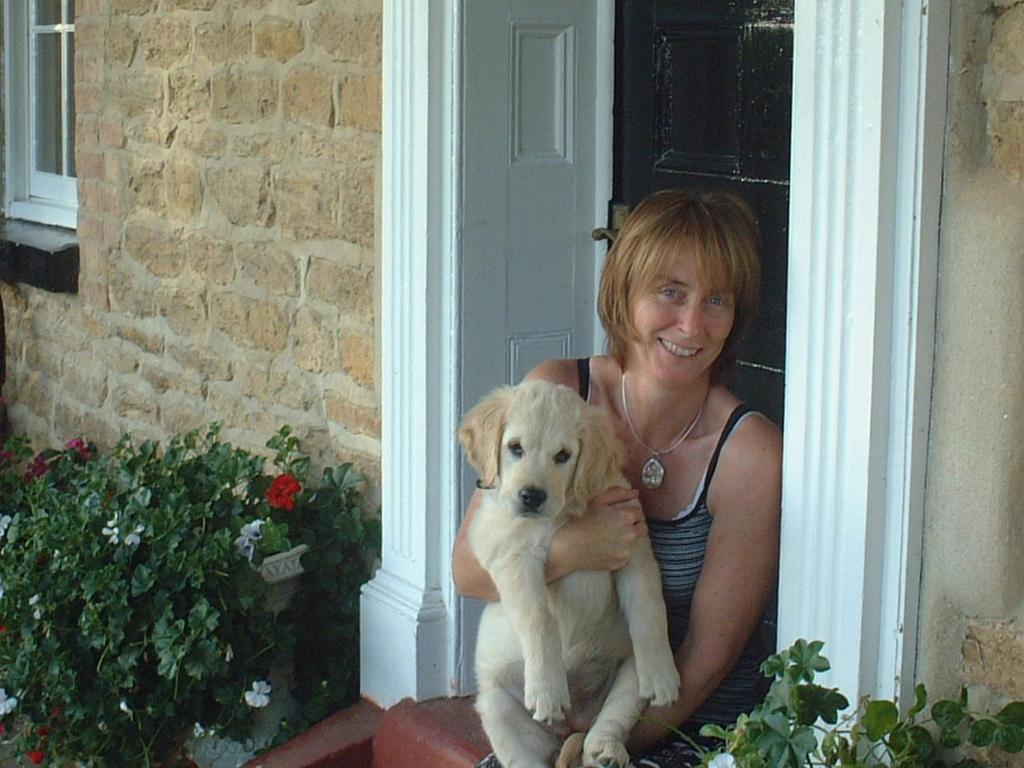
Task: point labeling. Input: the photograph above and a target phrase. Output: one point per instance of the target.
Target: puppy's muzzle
(532, 499)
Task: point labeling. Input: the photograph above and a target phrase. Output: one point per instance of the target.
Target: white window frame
(46, 198)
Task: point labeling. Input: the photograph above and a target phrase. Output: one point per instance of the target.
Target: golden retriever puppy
(593, 644)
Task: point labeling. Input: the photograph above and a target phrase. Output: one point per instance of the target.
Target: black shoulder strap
(583, 374)
(738, 413)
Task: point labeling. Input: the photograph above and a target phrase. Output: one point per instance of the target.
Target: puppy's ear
(480, 434)
(601, 456)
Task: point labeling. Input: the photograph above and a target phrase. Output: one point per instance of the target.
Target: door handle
(619, 212)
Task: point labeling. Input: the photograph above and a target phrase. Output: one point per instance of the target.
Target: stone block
(315, 341)
(184, 306)
(200, 139)
(160, 252)
(277, 38)
(1006, 134)
(359, 358)
(268, 268)
(134, 400)
(180, 413)
(223, 43)
(993, 654)
(272, 148)
(132, 7)
(34, 391)
(136, 95)
(201, 359)
(121, 41)
(72, 420)
(1006, 51)
(145, 185)
(142, 338)
(241, 95)
(130, 294)
(85, 382)
(348, 37)
(184, 187)
(159, 130)
(117, 355)
(307, 95)
(307, 203)
(188, 94)
(356, 418)
(347, 288)
(190, 5)
(360, 103)
(164, 378)
(252, 323)
(165, 40)
(358, 205)
(44, 357)
(210, 258)
(242, 192)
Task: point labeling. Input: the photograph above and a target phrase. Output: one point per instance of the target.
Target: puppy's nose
(533, 497)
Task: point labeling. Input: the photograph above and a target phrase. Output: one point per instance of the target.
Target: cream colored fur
(592, 645)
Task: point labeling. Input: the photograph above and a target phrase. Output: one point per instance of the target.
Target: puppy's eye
(515, 448)
(562, 456)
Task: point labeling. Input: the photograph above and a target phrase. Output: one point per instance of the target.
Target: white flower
(123, 706)
(33, 600)
(5, 521)
(1, 589)
(259, 696)
(246, 542)
(7, 703)
(723, 760)
(229, 654)
(111, 531)
(198, 731)
(133, 539)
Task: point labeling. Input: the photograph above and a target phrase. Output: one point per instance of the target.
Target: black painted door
(702, 100)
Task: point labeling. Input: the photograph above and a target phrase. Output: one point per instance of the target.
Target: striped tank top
(679, 546)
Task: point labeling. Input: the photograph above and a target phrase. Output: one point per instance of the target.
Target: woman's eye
(562, 456)
(671, 293)
(515, 448)
(718, 300)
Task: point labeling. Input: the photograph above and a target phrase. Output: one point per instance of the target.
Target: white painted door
(535, 183)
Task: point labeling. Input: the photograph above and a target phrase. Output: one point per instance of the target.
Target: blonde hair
(723, 231)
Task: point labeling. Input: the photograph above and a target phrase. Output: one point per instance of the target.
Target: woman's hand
(602, 539)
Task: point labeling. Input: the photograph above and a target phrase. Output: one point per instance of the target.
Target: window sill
(38, 255)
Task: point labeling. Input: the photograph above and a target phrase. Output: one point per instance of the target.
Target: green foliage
(801, 723)
(131, 604)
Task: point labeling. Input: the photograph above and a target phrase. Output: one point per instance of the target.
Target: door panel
(528, 201)
(703, 92)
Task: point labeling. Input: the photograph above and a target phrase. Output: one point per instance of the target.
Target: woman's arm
(739, 572)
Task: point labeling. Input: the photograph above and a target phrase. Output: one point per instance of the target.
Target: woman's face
(682, 322)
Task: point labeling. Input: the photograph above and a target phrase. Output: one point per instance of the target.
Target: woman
(677, 290)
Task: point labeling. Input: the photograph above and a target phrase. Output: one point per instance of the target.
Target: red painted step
(343, 740)
(442, 733)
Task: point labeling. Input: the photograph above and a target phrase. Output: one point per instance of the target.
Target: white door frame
(868, 122)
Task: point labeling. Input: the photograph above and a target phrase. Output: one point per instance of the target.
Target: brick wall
(227, 154)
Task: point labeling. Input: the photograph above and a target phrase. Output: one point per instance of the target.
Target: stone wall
(972, 610)
(227, 154)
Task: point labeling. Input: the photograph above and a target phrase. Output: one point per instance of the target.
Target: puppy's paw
(571, 753)
(605, 752)
(659, 682)
(548, 699)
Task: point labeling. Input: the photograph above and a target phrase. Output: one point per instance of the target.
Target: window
(39, 48)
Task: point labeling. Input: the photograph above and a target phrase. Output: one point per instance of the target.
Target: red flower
(3, 628)
(36, 468)
(43, 731)
(35, 757)
(281, 493)
(2, 729)
(7, 455)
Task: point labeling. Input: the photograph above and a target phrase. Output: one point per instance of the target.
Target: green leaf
(1012, 713)
(920, 700)
(949, 738)
(816, 701)
(142, 580)
(922, 741)
(982, 732)
(947, 714)
(1010, 738)
(880, 717)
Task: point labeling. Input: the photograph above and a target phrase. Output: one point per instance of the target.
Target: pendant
(653, 473)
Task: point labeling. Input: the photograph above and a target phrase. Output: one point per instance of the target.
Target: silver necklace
(653, 473)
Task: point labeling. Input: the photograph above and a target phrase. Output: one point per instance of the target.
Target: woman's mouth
(677, 350)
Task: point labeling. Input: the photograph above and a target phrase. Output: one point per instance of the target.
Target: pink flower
(281, 493)
(36, 468)
(78, 444)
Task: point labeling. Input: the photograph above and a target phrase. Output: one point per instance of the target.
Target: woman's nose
(690, 317)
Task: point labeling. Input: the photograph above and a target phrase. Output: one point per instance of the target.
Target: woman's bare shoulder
(557, 371)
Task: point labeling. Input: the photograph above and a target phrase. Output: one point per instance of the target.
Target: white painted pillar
(407, 616)
(868, 121)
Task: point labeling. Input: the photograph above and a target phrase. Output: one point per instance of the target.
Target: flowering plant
(801, 723)
(132, 610)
